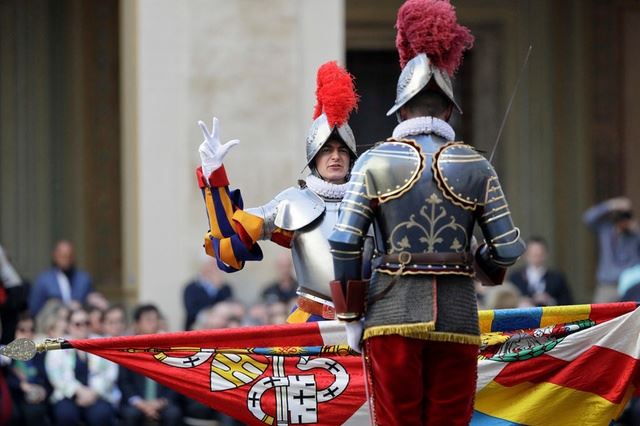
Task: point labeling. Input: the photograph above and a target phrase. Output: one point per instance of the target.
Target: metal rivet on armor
(397, 186)
(379, 192)
(406, 180)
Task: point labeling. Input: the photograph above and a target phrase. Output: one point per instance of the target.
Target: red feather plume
(335, 93)
(431, 27)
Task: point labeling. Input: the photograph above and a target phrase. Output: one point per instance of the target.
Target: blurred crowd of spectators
(69, 387)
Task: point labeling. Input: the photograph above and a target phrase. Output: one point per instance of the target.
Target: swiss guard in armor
(300, 217)
(423, 192)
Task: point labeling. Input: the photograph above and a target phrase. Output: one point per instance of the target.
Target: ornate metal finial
(19, 349)
(25, 349)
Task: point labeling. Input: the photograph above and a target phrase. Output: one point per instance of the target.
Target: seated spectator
(28, 382)
(505, 296)
(207, 289)
(82, 383)
(257, 314)
(278, 312)
(95, 320)
(114, 321)
(62, 281)
(537, 282)
(222, 315)
(52, 319)
(143, 399)
(284, 288)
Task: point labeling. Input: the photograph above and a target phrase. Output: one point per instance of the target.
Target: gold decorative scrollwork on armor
(392, 168)
(461, 173)
(437, 221)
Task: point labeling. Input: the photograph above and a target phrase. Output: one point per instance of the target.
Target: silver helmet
(415, 76)
(320, 132)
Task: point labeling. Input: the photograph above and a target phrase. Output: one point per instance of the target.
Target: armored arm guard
(347, 242)
(503, 243)
(468, 180)
(347, 239)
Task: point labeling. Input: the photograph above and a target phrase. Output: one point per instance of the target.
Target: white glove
(354, 335)
(212, 152)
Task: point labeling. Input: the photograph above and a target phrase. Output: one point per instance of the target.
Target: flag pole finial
(26, 349)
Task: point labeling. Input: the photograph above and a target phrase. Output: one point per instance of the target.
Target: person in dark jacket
(144, 399)
(28, 382)
(542, 285)
(62, 281)
(204, 291)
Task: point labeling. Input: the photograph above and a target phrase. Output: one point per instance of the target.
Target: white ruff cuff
(424, 126)
(326, 189)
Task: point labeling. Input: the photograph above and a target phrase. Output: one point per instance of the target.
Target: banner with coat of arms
(537, 366)
(269, 375)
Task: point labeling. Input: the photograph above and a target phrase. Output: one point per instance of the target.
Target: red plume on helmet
(431, 27)
(335, 93)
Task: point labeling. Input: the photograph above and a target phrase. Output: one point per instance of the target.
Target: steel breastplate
(311, 254)
(423, 220)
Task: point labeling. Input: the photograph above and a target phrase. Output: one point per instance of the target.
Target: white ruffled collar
(424, 126)
(326, 189)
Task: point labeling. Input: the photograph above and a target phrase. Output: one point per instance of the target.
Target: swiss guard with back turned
(423, 192)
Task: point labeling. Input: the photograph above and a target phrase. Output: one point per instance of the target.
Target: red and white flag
(273, 375)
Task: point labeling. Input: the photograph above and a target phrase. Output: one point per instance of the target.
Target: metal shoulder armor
(389, 169)
(463, 175)
(297, 207)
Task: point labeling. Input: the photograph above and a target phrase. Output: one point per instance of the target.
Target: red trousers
(420, 382)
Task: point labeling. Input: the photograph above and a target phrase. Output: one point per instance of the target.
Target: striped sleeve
(233, 233)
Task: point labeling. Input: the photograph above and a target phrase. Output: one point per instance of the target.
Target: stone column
(251, 66)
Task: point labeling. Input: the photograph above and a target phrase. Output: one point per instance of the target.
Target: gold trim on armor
(348, 228)
(437, 220)
(515, 240)
(516, 230)
(345, 251)
(420, 330)
(494, 218)
(360, 212)
(493, 200)
(464, 156)
(449, 193)
(425, 272)
(357, 204)
(471, 160)
(405, 186)
(490, 212)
